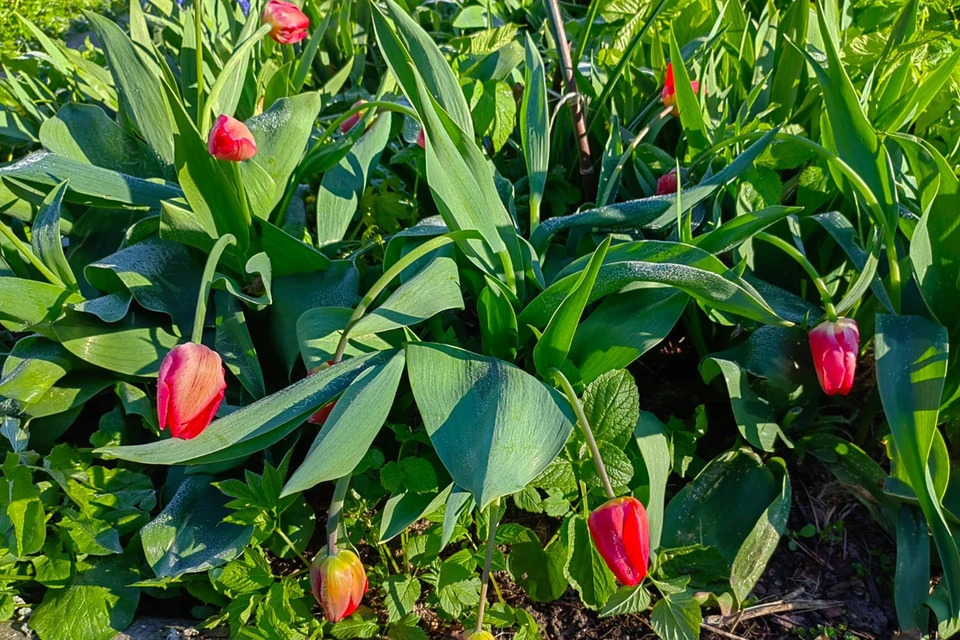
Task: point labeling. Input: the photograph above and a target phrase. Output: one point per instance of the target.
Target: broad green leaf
(539, 571)
(46, 240)
(89, 185)
(134, 346)
(912, 355)
(677, 617)
(495, 427)
(143, 99)
(33, 366)
(319, 331)
(625, 326)
(162, 276)
(297, 293)
(912, 583)
(225, 92)
(906, 110)
(342, 186)
(70, 392)
(428, 61)
(852, 135)
(460, 178)
(189, 535)
(403, 509)
(657, 212)
(788, 66)
(758, 548)
(288, 255)
(434, 288)
(235, 346)
(743, 227)
(350, 428)
(535, 126)
(266, 420)
(700, 512)
(498, 323)
(554, 345)
(842, 231)
(282, 133)
(769, 378)
(585, 568)
(86, 134)
(688, 104)
(937, 236)
(685, 267)
(32, 305)
(655, 450)
(96, 605)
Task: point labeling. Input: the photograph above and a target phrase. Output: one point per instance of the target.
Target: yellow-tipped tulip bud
(338, 583)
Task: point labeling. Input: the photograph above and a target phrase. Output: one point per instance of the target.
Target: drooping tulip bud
(620, 532)
(473, 634)
(667, 184)
(323, 412)
(289, 23)
(351, 122)
(231, 140)
(190, 388)
(421, 140)
(669, 93)
(338, 582)
(834, 346)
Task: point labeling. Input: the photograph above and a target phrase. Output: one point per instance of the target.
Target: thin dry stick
(720, 632)
(587, 175)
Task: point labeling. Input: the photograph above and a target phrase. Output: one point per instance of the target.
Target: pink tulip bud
(473, 634)
(421, 140)
(667, 184)
(350, 122)
(835, 346)
(669, 93)
(620, 532)
(189, 389)
(338, 582)
(289, 23)
(231, 140)
(323, 412)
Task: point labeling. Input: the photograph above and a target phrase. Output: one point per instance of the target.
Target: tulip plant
(334, 319)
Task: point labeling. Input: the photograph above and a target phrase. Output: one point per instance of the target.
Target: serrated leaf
(612, 406)
(677, 617)
(400, 594)
(627, 600)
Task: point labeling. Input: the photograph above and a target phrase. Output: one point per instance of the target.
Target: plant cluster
(324, 318)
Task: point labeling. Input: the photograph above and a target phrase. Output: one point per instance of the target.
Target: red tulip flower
(231, 140)
(289, 23)
(620, 532)
(189, 389)
(669, 93)
(421, 140)
(667, 184)
(338, 582)
(351, 122)
(835, 346)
